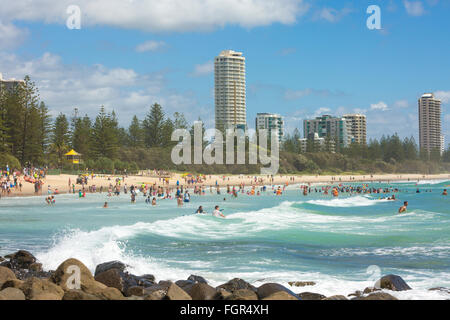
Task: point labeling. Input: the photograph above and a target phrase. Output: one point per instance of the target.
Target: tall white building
(356, 124)
(272, 123)
(430, 130)
(229, 84)
(328, 126)
(442, 145)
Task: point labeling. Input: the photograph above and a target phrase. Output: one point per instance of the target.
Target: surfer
(218, 213)
(404, 207)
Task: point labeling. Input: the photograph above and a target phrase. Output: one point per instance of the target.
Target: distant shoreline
(60, 182)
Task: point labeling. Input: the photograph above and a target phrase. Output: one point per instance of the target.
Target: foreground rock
(11, 294)
(337, 297)
(5, 275)
(176, 293)
(280, 295)
(377, 296)
(301, 283)
(394, 283)
(202, 291)
(311, 296)
(268, 289)
(243, 294)
(39, 289)
(24, 265)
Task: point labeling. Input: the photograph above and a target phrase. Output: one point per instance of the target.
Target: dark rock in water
(147, 277)
(110, 265)
(186, 285)
(243, 294)
(377, 296)
(370, 290)
(237, 284)
(446, 290)
(355, 294)
(270, 288)
(301, 283)
(11, 294)
(198, 279)
(112, 278)
(311, 296)
(21, 259)
(201, 291)
(337, 297)
(394, 283)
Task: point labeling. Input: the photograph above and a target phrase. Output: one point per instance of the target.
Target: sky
(304, 58)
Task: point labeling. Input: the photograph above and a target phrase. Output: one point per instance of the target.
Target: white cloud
(331, 14)
(379, 106)
(157, 15)
(444, 96)
(321, 111)
(297, 94)
(150, 46)
(11, 36)
(414, 8)
(401, 104)
(203, 69)
(66, 86)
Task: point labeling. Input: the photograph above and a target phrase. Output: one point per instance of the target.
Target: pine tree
(105, 142)
(60, 138)
(153, 125)
(135, 133)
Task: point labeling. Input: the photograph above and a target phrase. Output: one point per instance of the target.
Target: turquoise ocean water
(343, 244)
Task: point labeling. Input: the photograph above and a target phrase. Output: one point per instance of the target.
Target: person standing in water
(404, 207)
(105, 205)
(217, 213)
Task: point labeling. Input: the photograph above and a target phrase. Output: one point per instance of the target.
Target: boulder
(337, 297)
(176, 293)
(35, 287)
(280, 295)
(393, 282)
(79, 295)
(2, 259)
(243, 294)
(198, 279)
(222, 294)
(16, 283)
(110, 265)
(186, 285)
(11, 294)
(201, 291)
(35, 267)
(311, 296)
(47, 296)
(5, 275)
(443, 289)
(302, 283)
(370, 290)
(64, 274)
(357, 293)
(270, 288)
(134, 298)
(22, 259)
(137, 291)
(237, 284)
(112, 278)
(377, 296)
(156, 295)
(110, 294)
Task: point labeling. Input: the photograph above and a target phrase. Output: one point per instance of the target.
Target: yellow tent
(73, 156)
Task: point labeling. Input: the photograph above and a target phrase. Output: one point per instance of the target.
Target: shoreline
(60, 182)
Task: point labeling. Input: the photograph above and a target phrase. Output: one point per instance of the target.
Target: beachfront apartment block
(272, 122)
(335, 128)
(9, 84)
(430, 130)
(357, 126)
(315, 143)
(229, 91)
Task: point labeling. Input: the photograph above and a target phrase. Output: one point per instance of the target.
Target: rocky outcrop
(11, 294)
(237, 284)
(393, 282)
(79, 295)
(39, 289)
(197, 279)
(270, 288)
(281, 295)
(103, 267)
(301, 283)
(311, 296)
(22, 259)
(15, 283)
(337, 297)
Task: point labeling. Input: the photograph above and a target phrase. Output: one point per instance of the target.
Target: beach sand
(61, 182)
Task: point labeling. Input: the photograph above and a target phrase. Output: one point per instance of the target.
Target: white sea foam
(357, 201)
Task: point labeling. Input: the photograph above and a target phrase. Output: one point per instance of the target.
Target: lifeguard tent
(73, 156)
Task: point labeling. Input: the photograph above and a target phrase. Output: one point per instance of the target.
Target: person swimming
(200, 210)
(445, 192)
(105, 205)
(218, 213)
(404, 207)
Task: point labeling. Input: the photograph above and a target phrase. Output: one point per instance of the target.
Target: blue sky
(304, 58)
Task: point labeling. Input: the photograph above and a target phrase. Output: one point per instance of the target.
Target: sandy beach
(61, 182)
